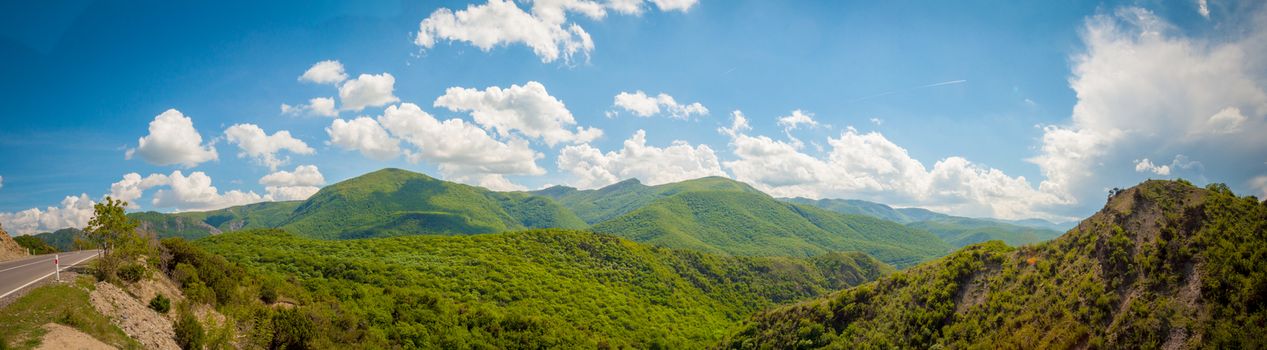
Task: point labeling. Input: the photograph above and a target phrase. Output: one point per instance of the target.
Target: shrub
(292, 330)
(268, 293)
(189, 333)
(161, 304)
(131, 273)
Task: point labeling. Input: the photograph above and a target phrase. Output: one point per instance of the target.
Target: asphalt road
(17, 274)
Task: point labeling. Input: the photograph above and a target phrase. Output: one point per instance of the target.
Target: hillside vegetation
(530, 289)
(1163, 265)
(606, 203)
(755, 224)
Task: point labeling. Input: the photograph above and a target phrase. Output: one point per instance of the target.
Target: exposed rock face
(9, 249)
(153, 330)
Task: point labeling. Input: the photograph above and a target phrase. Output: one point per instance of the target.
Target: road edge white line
(28, 284)
(37, 261)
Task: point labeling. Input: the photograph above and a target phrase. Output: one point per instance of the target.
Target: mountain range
(712, 214)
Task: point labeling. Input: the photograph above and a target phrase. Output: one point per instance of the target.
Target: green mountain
(528, 289)
(394, 202)
(595, 206)
(388, 202)
(961, 231)
(723, 216)
(1163, 265)
(956, 230)
(63, 239)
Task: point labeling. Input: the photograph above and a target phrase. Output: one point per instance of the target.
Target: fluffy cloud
(652, 165)
(642, 105)
(1259, 184)
(367, 90)
(869, 166)
(1147, 166)
(297, 185)
(254, 143)
(173, 140)
(75, 211)
(364, 135)
(546, 30)
(675, 5)
(1144, 89)
(319, 106)
(180, 192)
(527, 109)
(133, 186)
(501, 22)
(797, 119)
(195, 192)
(458, 147)
(325, 72)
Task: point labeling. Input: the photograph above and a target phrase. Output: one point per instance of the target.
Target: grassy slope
(548, 288)
(393, 202)
(751, 223)
(1163, 264)
(66, 304)
(956, 230)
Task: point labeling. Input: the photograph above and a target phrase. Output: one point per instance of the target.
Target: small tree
(115, 233)
(110, 227)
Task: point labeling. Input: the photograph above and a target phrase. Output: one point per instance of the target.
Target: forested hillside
(530, 289)
(1163, 265)
(755, 224)
(606, 203)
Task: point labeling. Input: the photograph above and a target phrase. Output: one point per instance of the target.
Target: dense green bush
(189, 333)
(132, 273)
(161, 304)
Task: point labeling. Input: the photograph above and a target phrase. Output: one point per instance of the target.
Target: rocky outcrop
(9, 249)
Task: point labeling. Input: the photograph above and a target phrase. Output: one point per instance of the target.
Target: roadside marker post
(57, 266)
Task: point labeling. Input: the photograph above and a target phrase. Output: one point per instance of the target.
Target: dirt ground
(60, 337)
(153, 330)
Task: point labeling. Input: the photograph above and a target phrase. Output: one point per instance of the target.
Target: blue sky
(1010, 110)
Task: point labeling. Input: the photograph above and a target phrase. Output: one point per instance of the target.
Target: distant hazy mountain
(956, 230)
(1164, 265)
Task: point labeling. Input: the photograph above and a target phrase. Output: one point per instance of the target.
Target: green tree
(115, 233)
(110, 227)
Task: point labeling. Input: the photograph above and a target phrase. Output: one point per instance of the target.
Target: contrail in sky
(886, 93)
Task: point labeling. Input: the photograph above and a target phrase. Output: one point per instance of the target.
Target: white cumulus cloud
(642, 105)
(317, 106)
(1144, 88)
(253, 142)
(173, 140)
(75, 211)
(364, 135)
(546, 29)
(368, 90)
(459, 148)
(869, 166)
(293, 185)
(528, 109)
(652, 165)
(325, 72)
